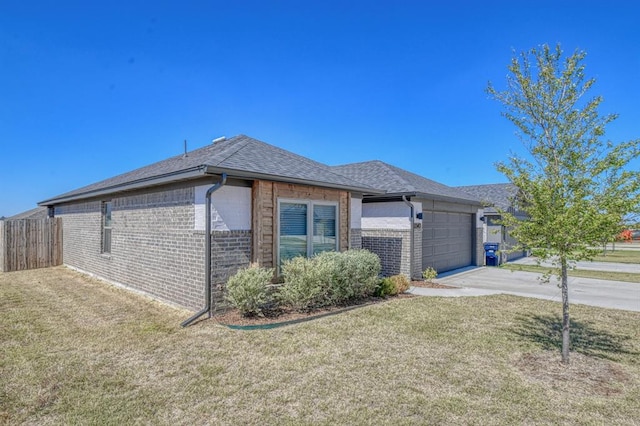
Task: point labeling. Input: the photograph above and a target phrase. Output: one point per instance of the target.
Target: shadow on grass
(546, 330)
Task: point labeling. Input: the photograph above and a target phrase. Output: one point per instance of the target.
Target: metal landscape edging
(291, 322)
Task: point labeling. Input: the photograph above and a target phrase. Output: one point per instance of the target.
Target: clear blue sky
(89, 90)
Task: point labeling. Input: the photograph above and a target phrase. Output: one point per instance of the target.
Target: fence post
(30, 243)
(2, 247)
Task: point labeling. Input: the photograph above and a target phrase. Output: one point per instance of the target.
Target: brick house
(145, 229)
(497, 198)
(416, 222)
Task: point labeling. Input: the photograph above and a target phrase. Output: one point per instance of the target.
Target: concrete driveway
(586, 291)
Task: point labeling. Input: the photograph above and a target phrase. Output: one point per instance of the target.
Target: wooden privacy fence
(30, 244)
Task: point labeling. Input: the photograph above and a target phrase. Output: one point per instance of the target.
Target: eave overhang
(198, 172)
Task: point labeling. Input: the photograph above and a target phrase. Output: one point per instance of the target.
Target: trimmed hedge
(329, 278)
(304, 284)
(248, 290)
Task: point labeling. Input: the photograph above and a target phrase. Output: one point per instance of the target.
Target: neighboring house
(30, 240)
(145, 229)
(416, 223)
(496, 198)
(36, 213)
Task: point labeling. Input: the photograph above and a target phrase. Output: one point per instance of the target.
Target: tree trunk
(565, 311)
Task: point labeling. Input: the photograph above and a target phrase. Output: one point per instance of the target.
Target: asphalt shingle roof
(36, 213)
(241, 154)
(394, 180)
(499, 195)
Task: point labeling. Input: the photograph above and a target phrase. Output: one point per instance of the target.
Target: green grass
(620, 256)
(78, 351)
(602, 275)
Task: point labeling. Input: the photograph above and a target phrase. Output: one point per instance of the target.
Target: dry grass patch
(585, 375)
(76, 350)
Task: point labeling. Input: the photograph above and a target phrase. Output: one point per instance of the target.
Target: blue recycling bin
(491, 256)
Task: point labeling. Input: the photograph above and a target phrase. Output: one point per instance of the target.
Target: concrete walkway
(486, 281)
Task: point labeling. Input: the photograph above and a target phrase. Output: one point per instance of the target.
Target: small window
(324, 229)
(106, 226)
(293, 230)
(306, 228)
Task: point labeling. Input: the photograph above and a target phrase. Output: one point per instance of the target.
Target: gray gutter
(425, 195)
(411, 243)
(207, 254)
(190, 173)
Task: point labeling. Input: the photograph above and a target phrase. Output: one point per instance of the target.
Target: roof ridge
(328, 168)
(486, 185)
(241, 154)
(358, 163)
(392, 179)
(243, 141)
(398, 172)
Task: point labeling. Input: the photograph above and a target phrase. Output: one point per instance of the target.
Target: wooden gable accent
(265, 197)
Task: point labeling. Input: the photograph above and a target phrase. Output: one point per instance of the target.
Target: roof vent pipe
(207, 254)
(220, 139)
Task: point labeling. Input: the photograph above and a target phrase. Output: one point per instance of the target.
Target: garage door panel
(446, 240)
(440, 233)
(439, 217)
(441, 249)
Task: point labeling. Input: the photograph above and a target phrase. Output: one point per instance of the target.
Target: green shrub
(401, 283)
(248, 290)
(329, 278)
(429, 274)
(363, 268)
(385, 288)
(304, 284)
(338, 284)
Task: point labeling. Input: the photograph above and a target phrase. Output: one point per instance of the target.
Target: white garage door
(446, 240)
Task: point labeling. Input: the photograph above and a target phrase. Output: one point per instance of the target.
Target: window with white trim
(106, 226)
(306, 228)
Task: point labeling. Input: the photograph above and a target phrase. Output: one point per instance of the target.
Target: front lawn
(78, 351)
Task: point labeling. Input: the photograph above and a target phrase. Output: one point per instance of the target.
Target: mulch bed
(428, 284)
(233, 317)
